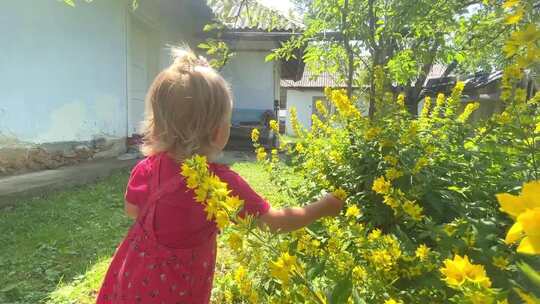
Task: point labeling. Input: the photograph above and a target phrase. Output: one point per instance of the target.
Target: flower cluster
(342, 103)
(461, 270)
(210, 191)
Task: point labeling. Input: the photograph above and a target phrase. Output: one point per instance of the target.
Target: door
(143, 55)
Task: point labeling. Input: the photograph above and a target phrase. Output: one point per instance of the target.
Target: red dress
(169, 254)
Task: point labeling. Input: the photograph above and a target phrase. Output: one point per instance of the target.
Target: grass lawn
(56, 249)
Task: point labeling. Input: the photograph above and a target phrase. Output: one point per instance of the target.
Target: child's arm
(289, 219)
(132, 211)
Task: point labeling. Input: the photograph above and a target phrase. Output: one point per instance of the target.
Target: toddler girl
(169, 254)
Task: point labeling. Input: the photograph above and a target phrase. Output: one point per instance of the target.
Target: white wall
(251, 79)
(62, 70)
(302, 100)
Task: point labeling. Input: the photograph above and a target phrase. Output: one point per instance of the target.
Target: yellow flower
(233, 202)
(352, 211)
(235, 241)
(255, 135)
(371, 133)
(420, 164)
(413, 210)
(401, 100)
(503, 118)
(281, 268)
(526, 228)
(393, 173)
(478, 297)
(222, 219)
(201, 194)
(391, 201)
(359, 274)
(520, 38)
(422, 252)
(374, 234)
(211, 208)
(321, 108)
(528, 199)
(261, 154)
(340, 194)
(426, 108)
(240, 274)
(381, 185)
(343, 104)
(221, 192)
(500, 262)
(459, 269)
(392, 301)
(300, 148)
(253, 297)
(274, 126)
(515, 17)
(275, 156)
(391, 160)
(440, 99)
(527, 298)
(530, 35)
(525, 208)
(469, 109)
(294, 122)
(510, 3)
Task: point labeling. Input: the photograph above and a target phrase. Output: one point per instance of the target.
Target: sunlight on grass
(57, 249)
(83, 289)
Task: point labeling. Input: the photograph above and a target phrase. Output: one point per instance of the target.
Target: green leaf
(203, 46)
(70, 3)
(341, 291)
(315, 271)
(532, 274)
(356, 297)
(270, 57)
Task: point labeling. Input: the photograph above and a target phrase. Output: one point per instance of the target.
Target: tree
(405, 38)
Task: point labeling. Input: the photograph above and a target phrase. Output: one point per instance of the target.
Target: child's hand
(332, 204)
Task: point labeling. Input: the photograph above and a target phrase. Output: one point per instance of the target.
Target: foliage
(422, 222)
(349, 38)
(48, 242)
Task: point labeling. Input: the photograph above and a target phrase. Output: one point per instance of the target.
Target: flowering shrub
(423, 221)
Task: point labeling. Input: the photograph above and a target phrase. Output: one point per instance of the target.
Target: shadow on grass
(46, 241)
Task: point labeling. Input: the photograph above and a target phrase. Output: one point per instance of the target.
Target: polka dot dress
(169, 254)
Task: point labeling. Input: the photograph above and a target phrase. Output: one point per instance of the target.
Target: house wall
(64, 78)
(302, 100)
(63, 70)
(251, 79)
(253, 83)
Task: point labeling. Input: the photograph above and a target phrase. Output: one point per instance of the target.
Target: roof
(310, 80)
(251, 15)
(472, 83)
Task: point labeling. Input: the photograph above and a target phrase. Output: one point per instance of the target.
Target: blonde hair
(185, 104)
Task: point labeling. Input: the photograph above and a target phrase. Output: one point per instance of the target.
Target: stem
(308, 286)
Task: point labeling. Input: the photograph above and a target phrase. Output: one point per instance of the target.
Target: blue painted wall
(62, 70)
